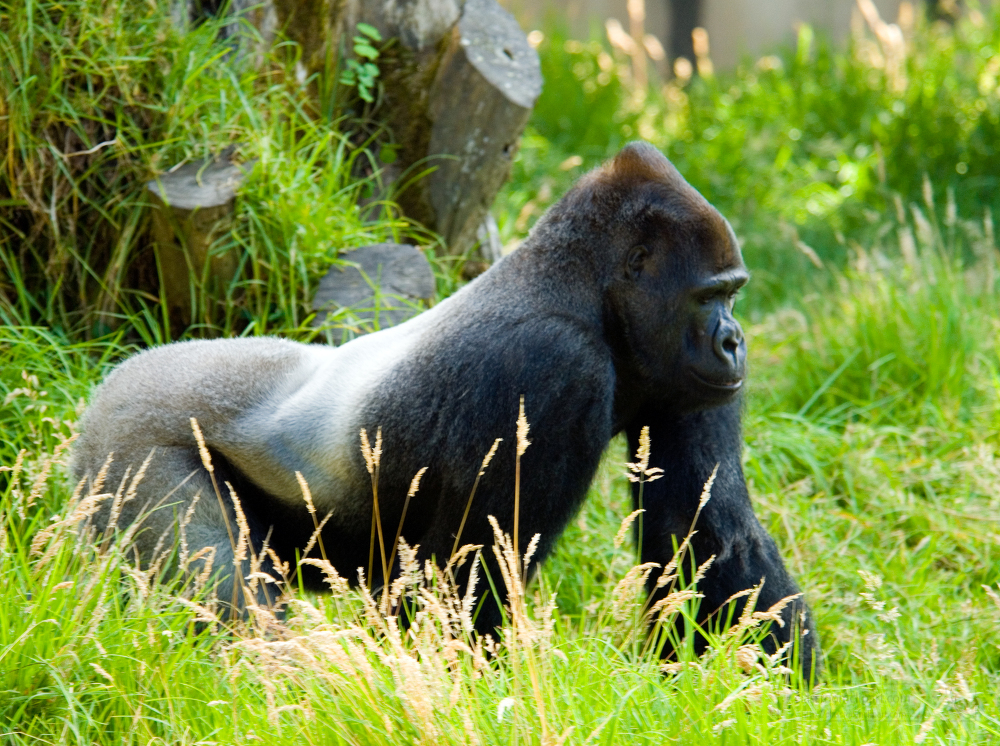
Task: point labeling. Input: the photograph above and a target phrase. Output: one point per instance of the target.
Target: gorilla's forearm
(688, 447)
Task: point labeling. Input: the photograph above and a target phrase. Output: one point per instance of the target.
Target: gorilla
(615, 313)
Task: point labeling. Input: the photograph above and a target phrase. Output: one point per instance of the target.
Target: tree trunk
(460, 84)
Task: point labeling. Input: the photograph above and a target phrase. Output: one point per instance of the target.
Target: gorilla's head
(670, 268)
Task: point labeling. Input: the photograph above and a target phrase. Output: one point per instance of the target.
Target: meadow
(862, 184)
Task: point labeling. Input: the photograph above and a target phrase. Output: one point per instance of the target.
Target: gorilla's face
(673, 300)
(715, 351)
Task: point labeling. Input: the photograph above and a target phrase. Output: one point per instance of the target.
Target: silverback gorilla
(614, 314)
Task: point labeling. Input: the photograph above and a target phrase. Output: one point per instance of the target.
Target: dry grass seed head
(746, 620)
(666, 607)
(626, 593)
(39, 483)
(116, 504)
(751, 693)
(206, 459)
(409, 572)
(459, 557)
(102, 475)
(469, 600)
(625, 525)
(366, 452)
(317, 532)
(206, 555)
(160, 553)
(15, 470)
(640, 468)
(415, 482)
(699, 574)
(243, 539)
(306, 493)
(746, 658)
(530, 551)
(706, 492)
(372, 456)
(504, 551)
(15, 481)
(83, 510)
(773, 614)
(489, 456)
(137, 479)
(182, 528)
(522, 430)
(669, 568)
(202, 613)
(141, 581)
(282, 567)
(338, 585)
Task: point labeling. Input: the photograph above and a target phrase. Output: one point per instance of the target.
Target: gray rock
(382, 289)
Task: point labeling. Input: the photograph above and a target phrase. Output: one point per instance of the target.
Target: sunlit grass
(890, 525)
(871, 425)
(97, 99)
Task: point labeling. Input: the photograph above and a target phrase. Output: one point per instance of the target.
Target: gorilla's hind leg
(177, 508)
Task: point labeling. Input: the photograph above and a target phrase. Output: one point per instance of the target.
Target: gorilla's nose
(729, 345)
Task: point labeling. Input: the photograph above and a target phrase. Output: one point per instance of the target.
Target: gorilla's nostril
(727, 342)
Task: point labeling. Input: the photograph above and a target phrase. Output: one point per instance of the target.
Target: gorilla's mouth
(718, 385)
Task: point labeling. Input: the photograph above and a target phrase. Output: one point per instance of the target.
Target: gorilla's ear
(635, 261)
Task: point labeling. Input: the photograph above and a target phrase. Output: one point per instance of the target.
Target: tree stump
(459, 84)
(381, 289)
(483, 94)
(192, 207)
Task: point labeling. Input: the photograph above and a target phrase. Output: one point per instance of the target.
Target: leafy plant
(360, 71)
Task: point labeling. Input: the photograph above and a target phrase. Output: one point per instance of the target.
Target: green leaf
(363, 50)
(370, 31)
(370, 69)
(388, 153)
(365, 93)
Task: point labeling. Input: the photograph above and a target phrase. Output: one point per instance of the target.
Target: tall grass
(804, 149)
(98, 98)
(96, 649)
(104, 641)
(909, 336)
(871, 424)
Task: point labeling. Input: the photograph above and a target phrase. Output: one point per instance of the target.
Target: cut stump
(460, 83)
(485, 88)
(192, 207)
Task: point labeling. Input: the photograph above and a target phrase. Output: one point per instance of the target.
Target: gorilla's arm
(687, 447)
